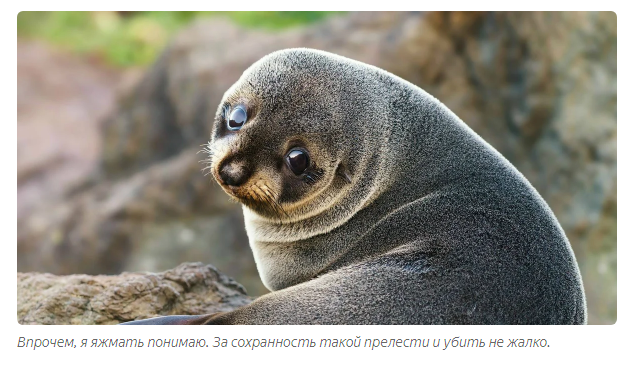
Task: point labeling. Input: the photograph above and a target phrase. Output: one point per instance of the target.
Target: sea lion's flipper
(173, 320)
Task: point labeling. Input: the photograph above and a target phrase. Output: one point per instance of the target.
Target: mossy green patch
(136, 38)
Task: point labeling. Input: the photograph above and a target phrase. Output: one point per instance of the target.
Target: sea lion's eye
(297, 160)
(236, 118)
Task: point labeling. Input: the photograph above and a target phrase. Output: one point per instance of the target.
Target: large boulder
(191, 288)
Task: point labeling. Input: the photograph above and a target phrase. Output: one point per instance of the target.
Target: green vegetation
(136, 38)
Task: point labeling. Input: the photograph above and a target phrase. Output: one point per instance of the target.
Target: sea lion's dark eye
(297, 160)
(237, 118)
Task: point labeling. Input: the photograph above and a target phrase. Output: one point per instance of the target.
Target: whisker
(268, 199)
(272, 197)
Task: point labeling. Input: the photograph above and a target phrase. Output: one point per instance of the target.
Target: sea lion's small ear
(343, 172)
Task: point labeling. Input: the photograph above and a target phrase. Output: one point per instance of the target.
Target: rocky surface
(191, 288)
(540, 87)
(57, 105)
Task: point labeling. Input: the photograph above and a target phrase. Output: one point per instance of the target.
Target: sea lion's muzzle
(237, 180)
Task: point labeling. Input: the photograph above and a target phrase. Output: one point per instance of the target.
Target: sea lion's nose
(234, 173)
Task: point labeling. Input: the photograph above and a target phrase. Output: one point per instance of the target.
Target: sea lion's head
(294, 135)
(305, 140)
(269, 154)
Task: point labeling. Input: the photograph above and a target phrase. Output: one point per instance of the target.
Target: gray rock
(191, 288)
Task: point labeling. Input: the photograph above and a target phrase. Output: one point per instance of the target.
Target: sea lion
(367, 201)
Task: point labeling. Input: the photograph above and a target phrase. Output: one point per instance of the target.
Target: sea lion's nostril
(234, 174)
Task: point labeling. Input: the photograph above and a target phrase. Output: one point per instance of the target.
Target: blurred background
(113, 108)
